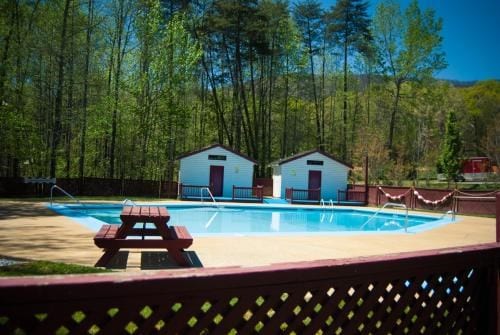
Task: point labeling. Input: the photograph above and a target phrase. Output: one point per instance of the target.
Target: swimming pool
(265, 219)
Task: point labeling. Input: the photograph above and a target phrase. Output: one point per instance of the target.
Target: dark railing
(20, 187)
(497, 206)
(464, 205)
(302, 196)
(248, 193)
(192, 191)
(351, 196)
(447, 291)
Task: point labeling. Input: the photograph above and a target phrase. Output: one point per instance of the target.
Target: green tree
(409, 47)
(293, 60)
(451, 149)
(349, 25)
(121, 37)
(308, 15)
(85, 98)
(482, 102)
(173, 71)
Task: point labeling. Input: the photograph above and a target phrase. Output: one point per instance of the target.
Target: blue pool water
(254, 220)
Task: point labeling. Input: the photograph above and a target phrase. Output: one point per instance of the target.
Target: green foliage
(483, 119)
(422, 56)
(408, 45)
(308, 17)
(452, 147)
(408, 42)
(165, 78)
(349, 24)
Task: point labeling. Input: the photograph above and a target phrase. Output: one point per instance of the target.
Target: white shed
(217, 167)
(310, 170)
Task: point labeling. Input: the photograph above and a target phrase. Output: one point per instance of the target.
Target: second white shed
(310, 170)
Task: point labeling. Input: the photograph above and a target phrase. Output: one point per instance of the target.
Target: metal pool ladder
(324, 204)
(209, 194)
(65, 193)
(390, 204)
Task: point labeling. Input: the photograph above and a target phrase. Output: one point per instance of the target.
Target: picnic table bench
(127, 235)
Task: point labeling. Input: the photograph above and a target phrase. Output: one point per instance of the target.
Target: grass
(40, 268)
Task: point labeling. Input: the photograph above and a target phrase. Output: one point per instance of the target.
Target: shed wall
(296, 174)
(195, 169)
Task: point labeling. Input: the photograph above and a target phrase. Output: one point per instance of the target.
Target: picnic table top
(153, 214)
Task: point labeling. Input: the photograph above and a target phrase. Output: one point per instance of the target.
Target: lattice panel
(419, 302)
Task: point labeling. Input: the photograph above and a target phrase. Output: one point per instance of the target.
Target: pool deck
(29, 230)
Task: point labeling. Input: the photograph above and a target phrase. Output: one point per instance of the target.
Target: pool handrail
(65, 193)
(128, 201)
(389, 204)
(210, 194)
(452, 212)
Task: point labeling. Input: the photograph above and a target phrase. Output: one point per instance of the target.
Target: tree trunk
(344, 110)
(392, 123)
(267, 139)
(284, 139)
(246, 121)
(255, 122)
(86, 70)
(56, 131)
(315, 95)
(262, 119)
(239, 88)
(322, 97)
(5, 53)
(120, 50)
(70, 103)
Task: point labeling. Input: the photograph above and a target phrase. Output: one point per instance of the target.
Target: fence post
(495, 274)
(366, 180)
(498, 216)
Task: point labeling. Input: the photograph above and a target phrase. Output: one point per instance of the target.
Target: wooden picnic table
(161, 236)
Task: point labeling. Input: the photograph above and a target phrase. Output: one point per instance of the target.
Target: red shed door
(314, 184)
(216, 180)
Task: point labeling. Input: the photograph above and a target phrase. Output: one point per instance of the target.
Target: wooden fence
(447, 291)
(16, 187)
(310, 196)
(349, 195)
(248, 193)
(465, 202)
(193, 192)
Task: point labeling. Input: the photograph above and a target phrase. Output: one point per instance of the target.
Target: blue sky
(471, 33)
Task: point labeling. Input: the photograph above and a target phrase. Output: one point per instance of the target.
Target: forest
(120, 88)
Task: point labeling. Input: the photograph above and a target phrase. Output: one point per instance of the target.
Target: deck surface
(30, 230)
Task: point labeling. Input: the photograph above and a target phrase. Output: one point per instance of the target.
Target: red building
(476, 168)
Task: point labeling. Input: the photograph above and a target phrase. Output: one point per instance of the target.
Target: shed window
(313, 162)
(217, 157)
